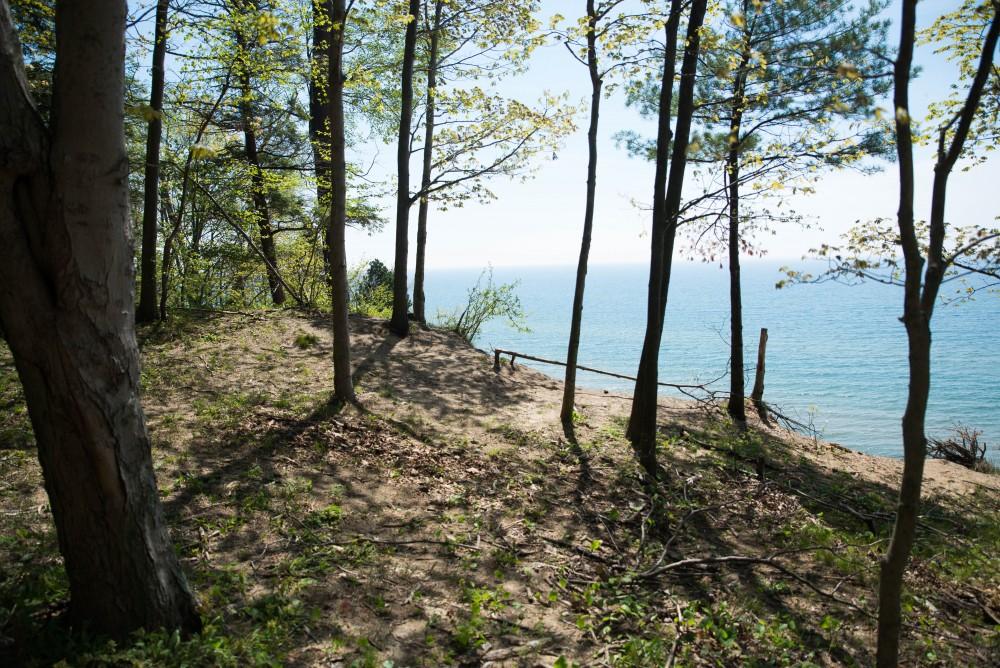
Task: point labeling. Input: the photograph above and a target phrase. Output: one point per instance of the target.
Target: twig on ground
(741, 559)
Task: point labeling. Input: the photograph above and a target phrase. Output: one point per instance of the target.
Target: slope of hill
(448, 519)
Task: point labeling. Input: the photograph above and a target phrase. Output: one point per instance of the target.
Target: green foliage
(792, 93)
(483, 135)
(34, 21)
(15, 427)
(959, 36)
(482, 604)
(306, 341)
(870, 251)
(485, 302)
(370, 287)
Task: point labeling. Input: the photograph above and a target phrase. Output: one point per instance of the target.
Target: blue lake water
(836, 354)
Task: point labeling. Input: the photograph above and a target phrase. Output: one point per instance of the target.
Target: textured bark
(343, 386)
(642, 421)
(918, 306)
(400, 323)
(150, 212)
(576, 320)
(66, 303)
(419, 303)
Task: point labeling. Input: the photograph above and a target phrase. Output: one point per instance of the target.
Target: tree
(785, 119)
(400, 322)
(434, 30)
(371, 289)
(482, 136)
(610, 34)
(958, 36)
(146, 310)
(793, 85)
(67, 309)
(238, 79)
(364, 77)
(470, 133)
(343, 386)
(920, 294)
(642, 420)
(928, 261)
(35, 23)
(245, 20)
(319, 107)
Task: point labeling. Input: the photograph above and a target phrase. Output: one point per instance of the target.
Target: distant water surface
(836, 354)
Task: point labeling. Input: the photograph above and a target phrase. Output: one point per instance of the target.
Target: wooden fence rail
(497, 352)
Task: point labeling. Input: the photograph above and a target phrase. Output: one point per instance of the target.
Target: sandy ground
(453, 388)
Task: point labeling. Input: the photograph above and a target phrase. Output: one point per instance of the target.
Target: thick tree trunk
(343, 386)
(920, 295)
(642, 422)
(576, 321)
(66, 303)
(400, 325)
(419, 303)
(150, 211)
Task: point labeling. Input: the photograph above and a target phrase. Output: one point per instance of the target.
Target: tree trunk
(576, 322)
(419, 303)
(65, 243)
(757, 395)
(737, 389)
(319, 115)
(643, 401)
(258, 195)
(343, 386)
(918, 307)
(150, 211)
(399, 324)
(642, 422)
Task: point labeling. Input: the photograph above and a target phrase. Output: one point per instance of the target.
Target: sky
(540, 222)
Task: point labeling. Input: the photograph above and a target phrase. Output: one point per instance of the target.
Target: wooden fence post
(758, 383)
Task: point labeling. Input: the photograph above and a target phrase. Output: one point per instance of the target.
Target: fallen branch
(761, 561)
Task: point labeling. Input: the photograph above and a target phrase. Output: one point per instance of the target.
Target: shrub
(485, 302)
(371, 290)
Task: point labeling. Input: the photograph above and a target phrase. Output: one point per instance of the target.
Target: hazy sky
(540, 222)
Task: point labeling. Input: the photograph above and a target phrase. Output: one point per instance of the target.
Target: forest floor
(448, 519)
